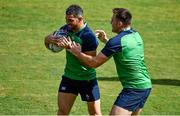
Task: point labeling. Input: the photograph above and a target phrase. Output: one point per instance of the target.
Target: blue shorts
(132, 99)
(89, 90)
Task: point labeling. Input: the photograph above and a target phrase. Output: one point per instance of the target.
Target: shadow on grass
(173, 82)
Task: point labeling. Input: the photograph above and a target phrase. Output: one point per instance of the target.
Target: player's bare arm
(49, 39)
(88, 60)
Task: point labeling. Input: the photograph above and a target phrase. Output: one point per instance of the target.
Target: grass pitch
(30, 74)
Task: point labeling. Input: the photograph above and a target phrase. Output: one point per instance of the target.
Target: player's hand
(101, 35)
(63, 42)
(49, 39)
(75, 48)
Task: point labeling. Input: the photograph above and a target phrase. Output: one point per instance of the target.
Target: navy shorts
(89, 90)
(132, 99)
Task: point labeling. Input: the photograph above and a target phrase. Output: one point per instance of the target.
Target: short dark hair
(123, 15)
(74, 10)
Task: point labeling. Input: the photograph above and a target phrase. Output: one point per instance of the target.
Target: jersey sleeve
(90, 42)
(112, 46)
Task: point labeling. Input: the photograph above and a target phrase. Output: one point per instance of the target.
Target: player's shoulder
(88, 32)
(114, 41)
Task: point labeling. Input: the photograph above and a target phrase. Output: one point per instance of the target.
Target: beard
(73, 27)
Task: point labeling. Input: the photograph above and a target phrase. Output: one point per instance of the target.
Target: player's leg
(89, 91)
(66, 95)
(65, 103)
(116, 110)
(94, 107)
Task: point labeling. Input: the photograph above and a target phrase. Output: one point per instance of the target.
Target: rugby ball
(53, 47)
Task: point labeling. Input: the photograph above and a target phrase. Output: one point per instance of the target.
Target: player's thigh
(65, 101)
(116, 110)
(94, 107)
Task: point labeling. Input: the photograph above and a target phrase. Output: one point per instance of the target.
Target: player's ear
(120, 23)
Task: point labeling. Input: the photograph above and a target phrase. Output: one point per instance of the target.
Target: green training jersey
(74, 69)
(127, 50)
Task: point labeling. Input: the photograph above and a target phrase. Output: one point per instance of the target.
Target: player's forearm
(87, 60)
(46, 42)
(48, 39)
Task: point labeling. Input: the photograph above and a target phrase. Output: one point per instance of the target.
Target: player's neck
(125, 28)
(79, 27)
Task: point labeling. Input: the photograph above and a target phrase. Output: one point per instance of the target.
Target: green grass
(30, 74)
